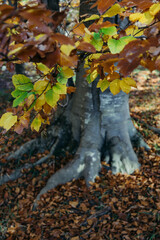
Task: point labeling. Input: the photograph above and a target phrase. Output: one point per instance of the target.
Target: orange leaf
(79, 29)
(71, 90)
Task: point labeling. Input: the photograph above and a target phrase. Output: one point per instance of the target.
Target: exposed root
(86, 163)
(30, 146)
(123, 159)
(19, 172)
(138, 142)
(135, 137)
(154, 129)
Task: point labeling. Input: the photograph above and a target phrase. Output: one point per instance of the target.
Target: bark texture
(95, 126)
(100, 123)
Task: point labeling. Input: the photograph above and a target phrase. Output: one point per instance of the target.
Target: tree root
(135, 137)
(19, 171)
(85, 164)
(123, 158)
(26, 148)
(154, 129)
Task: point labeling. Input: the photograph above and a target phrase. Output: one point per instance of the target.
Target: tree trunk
(95, 126)
(100, 124)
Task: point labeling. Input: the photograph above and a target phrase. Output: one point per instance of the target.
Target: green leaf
(21, 82)
(96, 36)
(51, 98)
(116, 46)
(97, 41)
(20, 99)
(62, 79)
(16, 93)
(104, 85)
(60, 88)
(30, 93)
(89, 78)
(64, 74)
(109, 31)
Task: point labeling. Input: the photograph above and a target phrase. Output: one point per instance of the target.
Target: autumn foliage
(28, 33)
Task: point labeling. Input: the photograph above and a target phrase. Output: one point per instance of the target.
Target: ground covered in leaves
(115, 207)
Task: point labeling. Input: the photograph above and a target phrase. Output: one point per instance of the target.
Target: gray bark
(100, 125)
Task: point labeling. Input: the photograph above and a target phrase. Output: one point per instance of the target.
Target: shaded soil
(115, 207)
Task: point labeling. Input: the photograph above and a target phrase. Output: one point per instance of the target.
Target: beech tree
(94, 121)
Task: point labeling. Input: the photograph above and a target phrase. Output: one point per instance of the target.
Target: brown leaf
(73, 203)
(62, 39)
(79, 29)
(84, 46)
(103, 5)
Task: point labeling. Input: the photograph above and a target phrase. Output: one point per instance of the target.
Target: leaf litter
(114, 207)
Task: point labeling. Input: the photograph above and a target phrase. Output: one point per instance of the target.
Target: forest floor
(115, 207)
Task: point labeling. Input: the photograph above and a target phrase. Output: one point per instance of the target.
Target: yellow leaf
(87, 37)
(146, 18)
(129, 81)
(41, 37)
(30, 100)
(40, 102)
(134, 30)
(41, 85)
(36, 124)
(103, 84)
(92, 17)
(17, 48)
(99, 83)
(8, 120)
(114, 10)
(125, 87)
(13, 20)
(93, 75)
(154, 9)
(90, 58)
(60, 88)
(135, 17)
(115, 86)
(67, 72)
(66, 49)
(51, 98)
(43, 68)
